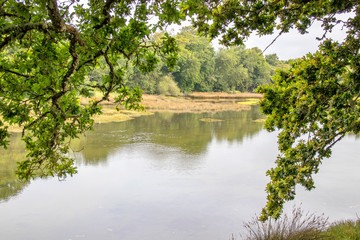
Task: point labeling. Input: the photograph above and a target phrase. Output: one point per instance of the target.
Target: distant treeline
(201, 68)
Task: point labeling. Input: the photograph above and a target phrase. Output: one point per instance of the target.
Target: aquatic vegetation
(211, 120)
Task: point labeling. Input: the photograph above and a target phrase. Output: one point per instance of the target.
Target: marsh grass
(224, 95)
(249, 101)
(110, 114)
(298, 226)
(211, 120)
(159, 103)
(260, 120)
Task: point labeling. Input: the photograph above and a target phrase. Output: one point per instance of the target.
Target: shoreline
(192, 103)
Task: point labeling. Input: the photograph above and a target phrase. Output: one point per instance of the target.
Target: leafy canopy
(316, 101)
(48, 47)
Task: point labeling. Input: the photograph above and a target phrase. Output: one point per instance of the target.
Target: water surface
(167, 176)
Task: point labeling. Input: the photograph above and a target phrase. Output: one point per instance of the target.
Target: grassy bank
(344, 230)
(158, 103)
(300, 226)
(223, 95)
(195, 102)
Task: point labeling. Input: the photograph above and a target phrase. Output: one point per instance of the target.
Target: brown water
(167, 176)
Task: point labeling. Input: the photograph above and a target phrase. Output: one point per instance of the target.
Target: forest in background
(199, 68)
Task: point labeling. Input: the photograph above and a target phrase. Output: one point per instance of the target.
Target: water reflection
(182, 132)
(164, 135)
(144, 179)
(10, 186)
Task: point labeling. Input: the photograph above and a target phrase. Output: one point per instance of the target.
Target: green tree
(276, 63)
(272, 59)
(195, 62)
(230, 71)
(148, 81)
(315, 102)
(258, 69)
(188, 73)
(241, 69)
(47, 50)
(167, 86)
(45, 57)
(192, 73)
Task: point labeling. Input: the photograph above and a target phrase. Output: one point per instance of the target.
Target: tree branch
(33, 122)
(55, 16)
(74, 64)
(5, 14)
(106, 13)
(13, 72)
(59, 23)
(282, 31)
(17, 28)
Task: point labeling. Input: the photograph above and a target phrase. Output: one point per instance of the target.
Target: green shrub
(167, 86)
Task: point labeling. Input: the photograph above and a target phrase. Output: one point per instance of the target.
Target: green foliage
(314, 103)
(189, 71)
(258, 68)
(230, 72)
(196, 61)
(201, 69)
(49, 50)
(302, 226)
(234, 20)
(240, 69)
(272, 59)
(167, 86)
(52, 53)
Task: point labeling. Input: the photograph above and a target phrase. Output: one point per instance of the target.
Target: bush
(299, 226)
(167, 86)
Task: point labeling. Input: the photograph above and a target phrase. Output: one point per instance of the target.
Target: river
(167, 176)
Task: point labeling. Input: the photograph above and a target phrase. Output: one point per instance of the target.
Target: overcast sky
(295, 45)
(290, 45)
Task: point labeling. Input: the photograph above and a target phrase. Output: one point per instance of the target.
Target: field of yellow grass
(155, 103)
(195, 102)
(224, 95)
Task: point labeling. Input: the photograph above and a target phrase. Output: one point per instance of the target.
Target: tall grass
(298, 226)
(345, 230)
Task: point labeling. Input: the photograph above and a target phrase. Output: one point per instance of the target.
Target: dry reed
(298, 226)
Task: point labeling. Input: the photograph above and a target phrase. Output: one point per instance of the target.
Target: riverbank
(199, 102)
(301, 225)
(193, 103)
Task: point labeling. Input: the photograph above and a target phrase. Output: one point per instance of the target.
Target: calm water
(167, 176)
